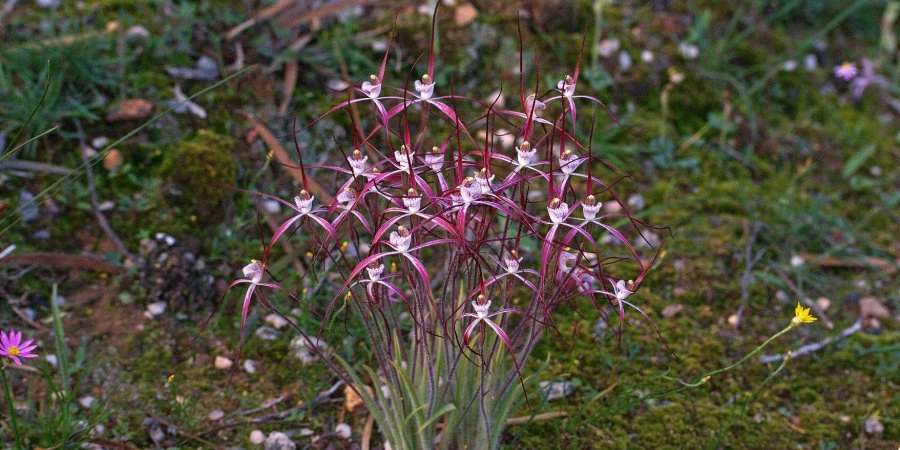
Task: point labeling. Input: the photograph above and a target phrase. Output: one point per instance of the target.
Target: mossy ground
(717, 157)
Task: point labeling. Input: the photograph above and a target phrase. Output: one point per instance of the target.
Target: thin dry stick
(367, 432)
(747, 278)
(281, 155)
(536, 418)
(809, 348)
(31, 166)
(815, 307)
(290, 83)
(95, 203)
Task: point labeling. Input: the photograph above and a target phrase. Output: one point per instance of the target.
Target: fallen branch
(95, 202)
(31, 166)
(809, 348)
(63, 261)
(862, 263)
(747, 278)
(536, 418)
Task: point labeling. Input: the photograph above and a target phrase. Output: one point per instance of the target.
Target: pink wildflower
(12, 346)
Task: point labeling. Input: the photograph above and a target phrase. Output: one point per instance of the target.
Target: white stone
(250, 366)
(223, 363)
(86, 401)
(276, 321)
(343, 430)
(156, 308)
(257, 437)
(216, 414)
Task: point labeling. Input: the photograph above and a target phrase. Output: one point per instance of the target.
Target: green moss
(196, 175)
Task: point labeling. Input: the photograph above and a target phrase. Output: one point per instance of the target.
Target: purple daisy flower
(12, 346)
(846, 71)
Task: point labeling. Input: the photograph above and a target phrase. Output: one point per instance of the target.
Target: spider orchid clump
(453, 253)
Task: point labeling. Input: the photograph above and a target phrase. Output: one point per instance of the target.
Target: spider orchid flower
(375, 272)
(346, 198)
(372, 88)
(533, 105)
(481, 315)
(425, 88)
(623, 289)
(303, 204)
(404, 157)
(254, 273)
(401, 239)
(510, 267)
(590, 207)
(357, 162)
(469, 190)
(558, 211)
(568, 162)
(412, 201)
(434, 160)
(483, 182)
(511, 262)
(566, 86)
(524, 154)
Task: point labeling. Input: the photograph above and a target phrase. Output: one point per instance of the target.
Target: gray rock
(279, 441)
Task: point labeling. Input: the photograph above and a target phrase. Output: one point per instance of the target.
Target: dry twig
(809, 348)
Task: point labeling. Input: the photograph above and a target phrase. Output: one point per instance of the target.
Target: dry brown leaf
(352, 400)
(130, 109)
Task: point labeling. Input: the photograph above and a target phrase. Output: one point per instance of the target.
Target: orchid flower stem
(7, 391)
(706, 377)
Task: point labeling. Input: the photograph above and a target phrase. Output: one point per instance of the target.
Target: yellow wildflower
(802, 316)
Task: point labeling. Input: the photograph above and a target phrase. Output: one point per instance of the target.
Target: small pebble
(636, 202)
(612, 207)
(625, 61)
(52, 359)
(250, 366)
(279, 441)
(216, 414)
(137, 31)
(271, 206)
(28, 208)
(870, 307)
(343, 430)
(873, 427)
(223, 363)
(267, 333)
(796, 261)
(689, 51)
(257, 437)
(465, 14)
(86, 401)
(113, 159)
(607, 47)
(306, 432)
(276, 321)
(556, 389)
(156, 308)
(671, 310)
(336, 84)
